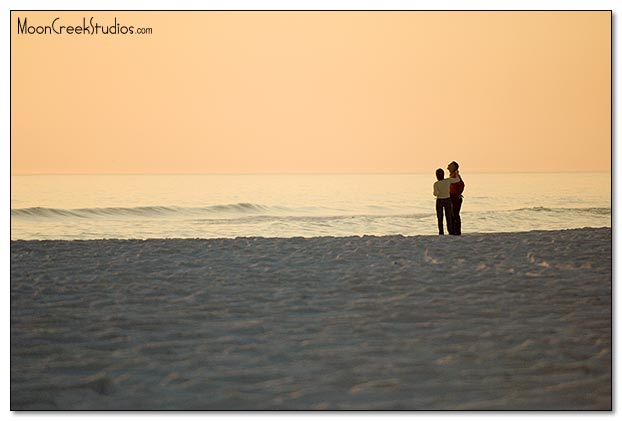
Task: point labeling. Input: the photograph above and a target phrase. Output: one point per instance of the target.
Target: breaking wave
(250, 209)
(140, 211)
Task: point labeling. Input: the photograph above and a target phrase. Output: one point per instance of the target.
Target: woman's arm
(455, 179)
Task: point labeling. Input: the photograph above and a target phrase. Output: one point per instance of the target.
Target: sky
(312, 92)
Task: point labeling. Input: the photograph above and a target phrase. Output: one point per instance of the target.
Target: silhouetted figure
(455, 194)
(443, 200)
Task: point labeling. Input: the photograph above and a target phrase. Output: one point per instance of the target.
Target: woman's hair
(455, 164)
(440, 174)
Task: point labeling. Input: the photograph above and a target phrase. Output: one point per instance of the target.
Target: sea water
(228, 206)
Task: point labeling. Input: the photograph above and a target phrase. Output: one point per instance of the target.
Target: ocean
(82, 207)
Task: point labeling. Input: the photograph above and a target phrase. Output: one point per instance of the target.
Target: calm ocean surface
(216, 206)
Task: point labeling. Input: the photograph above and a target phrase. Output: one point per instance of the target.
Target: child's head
(440, 174)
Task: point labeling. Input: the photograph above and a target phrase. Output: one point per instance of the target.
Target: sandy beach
(503, 321)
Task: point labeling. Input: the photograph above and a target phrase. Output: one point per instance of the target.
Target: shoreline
(467, 234)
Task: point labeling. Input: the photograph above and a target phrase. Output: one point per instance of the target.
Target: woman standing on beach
(443, 200)
(455, 194)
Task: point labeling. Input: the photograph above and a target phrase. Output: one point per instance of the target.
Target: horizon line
(307, 173)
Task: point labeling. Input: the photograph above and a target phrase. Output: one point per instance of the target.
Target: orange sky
(272, 92)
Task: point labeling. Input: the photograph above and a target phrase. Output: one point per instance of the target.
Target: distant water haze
(229, 206)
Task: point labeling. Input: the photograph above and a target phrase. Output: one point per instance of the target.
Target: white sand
(482, 321)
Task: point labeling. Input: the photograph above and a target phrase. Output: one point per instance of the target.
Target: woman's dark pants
(456, 204)
(444, 205)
